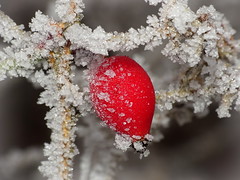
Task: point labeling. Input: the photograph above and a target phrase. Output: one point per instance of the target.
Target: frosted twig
(100, 42)
(153, 2)
(14, 63)
(61, 118)
(202, 84)
(10, 31)
(69, 10)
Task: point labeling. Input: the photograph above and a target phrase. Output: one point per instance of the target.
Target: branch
(60, 96)
(18, 63)
(69, 11)
(10, 31)
(191, 35)
(100, 42)
(200, 85)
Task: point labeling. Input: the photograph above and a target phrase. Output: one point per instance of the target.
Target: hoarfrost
(104, 96)
(121, 114)
(153, 2)
(128, 120)
(182, 16)
(201, 43)
(111, 110)
(122, 142)
(110, 73)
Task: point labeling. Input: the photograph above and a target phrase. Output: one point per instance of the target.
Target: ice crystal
(153, 2)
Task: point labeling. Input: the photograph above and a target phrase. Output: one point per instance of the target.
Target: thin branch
(10, 31)
(69, 10)
(61, 120)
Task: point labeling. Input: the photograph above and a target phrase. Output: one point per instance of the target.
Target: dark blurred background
(205, 149)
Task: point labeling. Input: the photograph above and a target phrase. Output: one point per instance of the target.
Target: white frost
(104, 96)
(111, 110)
(122, 142)
(110, 73)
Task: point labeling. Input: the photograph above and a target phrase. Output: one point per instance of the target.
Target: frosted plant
(50, 53)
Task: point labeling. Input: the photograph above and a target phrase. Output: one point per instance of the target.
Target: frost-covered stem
(9, 30)
(68, 120)
(67, 144)
(69, 10)
(200, 85)
(61, 118)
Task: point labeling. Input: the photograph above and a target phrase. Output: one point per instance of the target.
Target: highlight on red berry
(122, 95)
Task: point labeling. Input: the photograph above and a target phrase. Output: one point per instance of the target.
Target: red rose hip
(122, 95)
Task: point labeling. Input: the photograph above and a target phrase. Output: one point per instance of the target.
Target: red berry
(122, 95)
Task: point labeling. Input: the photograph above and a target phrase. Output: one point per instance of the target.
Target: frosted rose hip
(123, 95)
